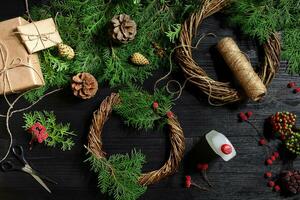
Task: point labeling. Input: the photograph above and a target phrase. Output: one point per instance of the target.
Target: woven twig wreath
(220, 92)
(95, 145)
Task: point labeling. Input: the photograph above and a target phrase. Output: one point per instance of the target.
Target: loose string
(27, 11)
(7, 66)
(181, 87)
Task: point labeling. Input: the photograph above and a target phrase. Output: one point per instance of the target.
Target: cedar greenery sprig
(84, 26)
(59, 134)
(118, 175)
(136, 107)
(261, 18)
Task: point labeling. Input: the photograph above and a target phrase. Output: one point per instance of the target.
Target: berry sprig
(203, 167)
(271, 158)
(189, 183)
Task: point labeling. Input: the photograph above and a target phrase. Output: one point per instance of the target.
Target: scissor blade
(41, 182)
(30, 171)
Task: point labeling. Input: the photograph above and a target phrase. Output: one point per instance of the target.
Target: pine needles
(261, 18)
(136, 107)
(118, 175)
(59, 134)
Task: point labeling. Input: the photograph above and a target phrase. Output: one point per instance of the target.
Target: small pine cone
(84, 85)
(139, 59)
(123, 28)
(66, 51)
(290, 181)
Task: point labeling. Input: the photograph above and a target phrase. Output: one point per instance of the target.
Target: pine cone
(123, 28)
(66, 51)
(84, 85)
(139, 59)
(291, 181)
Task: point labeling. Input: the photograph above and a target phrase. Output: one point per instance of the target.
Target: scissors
(8, 166)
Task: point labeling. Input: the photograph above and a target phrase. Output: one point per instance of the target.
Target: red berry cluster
(272, 158)
(38, 132)
(293, 85)
(245, 116)
(202, 167)
(272, 183)
(282, 123)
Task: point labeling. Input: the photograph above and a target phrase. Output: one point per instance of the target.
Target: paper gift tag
(39, 35)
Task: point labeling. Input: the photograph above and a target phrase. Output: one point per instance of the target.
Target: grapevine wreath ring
(95, 144)
(220, 92)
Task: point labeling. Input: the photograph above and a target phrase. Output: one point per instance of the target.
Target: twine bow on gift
(39, 37)
(8, 65)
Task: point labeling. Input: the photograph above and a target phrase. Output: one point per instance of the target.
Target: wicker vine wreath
(220, 92)
(176, 136)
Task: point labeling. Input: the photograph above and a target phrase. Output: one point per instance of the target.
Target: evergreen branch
(59, 134)
(118, 175)
(173, 32)
(260, 19)
(136, 107)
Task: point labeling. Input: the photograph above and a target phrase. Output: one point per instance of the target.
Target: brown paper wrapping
(242, 69)
(39, 35)
(19, 71)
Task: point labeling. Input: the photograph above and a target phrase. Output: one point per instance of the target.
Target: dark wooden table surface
(240, 178)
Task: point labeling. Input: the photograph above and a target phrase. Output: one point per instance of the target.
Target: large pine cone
(291, 181)
(84, 85)
(123, 28)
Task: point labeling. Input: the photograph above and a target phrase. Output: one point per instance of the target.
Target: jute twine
(220, 93)
(95, 145)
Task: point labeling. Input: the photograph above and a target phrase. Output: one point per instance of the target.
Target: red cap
(226, 149)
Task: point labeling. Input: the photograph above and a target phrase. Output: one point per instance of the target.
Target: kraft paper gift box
(19, 71)
(39, 35)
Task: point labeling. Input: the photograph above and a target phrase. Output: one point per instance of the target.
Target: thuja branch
(10, 112)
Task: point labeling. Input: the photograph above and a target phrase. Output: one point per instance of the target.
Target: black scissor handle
(19, 153)
(7, 166)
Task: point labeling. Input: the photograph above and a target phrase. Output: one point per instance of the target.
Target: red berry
(291, 84)
(276, 154)
(277, 188)
(249, 114)
(155, 105)
(188, 184)
(262, 141)
(170, 114)
(273, 158)
(271, 183)
(202, 166)
(188, 178)
(242, 116)
(269, 162)
(296, 90)
(268, 174)
(282, 137)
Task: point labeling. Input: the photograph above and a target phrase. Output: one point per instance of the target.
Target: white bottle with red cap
(220, 145)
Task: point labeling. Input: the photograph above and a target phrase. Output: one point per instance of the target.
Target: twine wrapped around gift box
(16, 62)
(19, 70)
(39, 35)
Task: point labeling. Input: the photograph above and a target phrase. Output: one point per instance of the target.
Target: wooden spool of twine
(220, 93)
(95, 144)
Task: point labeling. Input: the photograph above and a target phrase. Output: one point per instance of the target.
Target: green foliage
(136, 107)
(173, 32)
(118, 175)
(84, 26)
(261, 18)
(59, 134)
